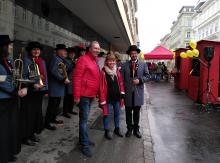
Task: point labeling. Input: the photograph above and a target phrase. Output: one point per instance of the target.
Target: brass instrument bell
(34, 73)
(62, 70)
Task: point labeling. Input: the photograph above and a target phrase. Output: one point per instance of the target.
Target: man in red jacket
(86, 77)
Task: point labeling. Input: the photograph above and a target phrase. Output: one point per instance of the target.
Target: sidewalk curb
(148, 142)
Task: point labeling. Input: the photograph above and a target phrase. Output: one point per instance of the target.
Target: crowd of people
(74, 75)
(158, 71)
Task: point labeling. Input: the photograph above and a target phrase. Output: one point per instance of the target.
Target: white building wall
(181, 31)
(206, 23)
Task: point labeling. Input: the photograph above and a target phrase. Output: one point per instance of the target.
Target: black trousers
(9, 136)
(31, 114)
(132, 117)
(52, 109)
(68, 103)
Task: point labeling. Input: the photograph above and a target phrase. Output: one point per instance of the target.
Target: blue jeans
(116, 107)
(84, 109)
(158, 76)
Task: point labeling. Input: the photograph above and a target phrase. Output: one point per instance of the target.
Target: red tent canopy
(159, 52)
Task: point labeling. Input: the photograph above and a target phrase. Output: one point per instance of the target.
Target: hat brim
(30, 48)
(6, 43)
(82, 49)
(60, 49)
(137, 50)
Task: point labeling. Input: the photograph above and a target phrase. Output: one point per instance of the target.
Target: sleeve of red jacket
(77, 78)
(102, 90)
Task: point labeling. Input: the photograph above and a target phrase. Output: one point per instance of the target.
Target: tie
(133, 68)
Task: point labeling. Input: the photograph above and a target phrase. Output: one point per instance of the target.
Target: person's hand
(22, 92)
(76, 101)
(136, 81)
(38, 86)
(67, 81)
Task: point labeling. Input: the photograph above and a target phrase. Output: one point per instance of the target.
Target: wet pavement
(55, 144)
(61, 146)
(117, 150)
(180, 132)
(174, 131)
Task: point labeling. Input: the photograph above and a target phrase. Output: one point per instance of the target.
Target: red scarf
(133, 69)
(39, 62)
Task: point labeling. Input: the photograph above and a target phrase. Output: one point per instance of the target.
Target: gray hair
(93, 42)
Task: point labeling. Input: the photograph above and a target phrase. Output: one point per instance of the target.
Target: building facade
(181, 30)
(130, 7)
(206, 20)
(61, 21)
(165, 41)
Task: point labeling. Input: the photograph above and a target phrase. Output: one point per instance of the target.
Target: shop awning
(160, 53)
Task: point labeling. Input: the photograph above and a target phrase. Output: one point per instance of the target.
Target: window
(210, 30)
(24, 15)
(16, 11)
(39, 23)
(216, 27)
(0, 7)
(32, 20)
(47, 26)
(187, 44)
(188, 35)
(189, 23)
(200, 35)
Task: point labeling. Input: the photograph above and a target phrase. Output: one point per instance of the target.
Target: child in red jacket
(111, 94)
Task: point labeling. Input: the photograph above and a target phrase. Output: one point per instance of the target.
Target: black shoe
(74, 113)
(66, 115)
(118, 132)
(28, 142)
(91, 143)
(107, 135)
(49, 127)
(128, 133)
(12, 159)
(35, 139)
(58, 122)
(86, 151)
(137, 133)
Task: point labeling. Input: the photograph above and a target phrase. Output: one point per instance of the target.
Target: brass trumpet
(18, 70)
(62, 70)
(34, 73)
